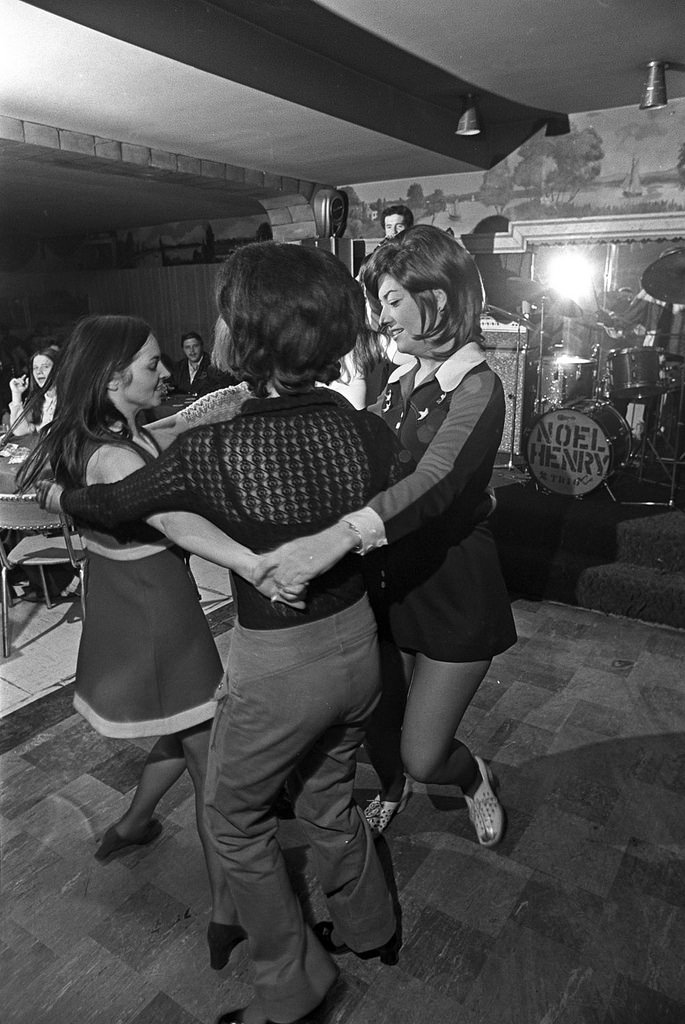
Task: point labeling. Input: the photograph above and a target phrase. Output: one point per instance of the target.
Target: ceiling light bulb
(468, 122)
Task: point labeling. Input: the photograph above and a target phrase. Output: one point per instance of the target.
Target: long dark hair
(34, 399)
(36, 394)
(99, 347)
(425, 258)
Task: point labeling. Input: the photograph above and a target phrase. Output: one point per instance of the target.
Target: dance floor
(578, 917)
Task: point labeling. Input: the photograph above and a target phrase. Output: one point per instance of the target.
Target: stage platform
(605, 551)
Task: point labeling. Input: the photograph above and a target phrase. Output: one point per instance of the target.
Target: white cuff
(370, 527)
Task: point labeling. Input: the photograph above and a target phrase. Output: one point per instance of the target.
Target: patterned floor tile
(570, 851)
(530, 977)
(577, 917)
(632, 1003)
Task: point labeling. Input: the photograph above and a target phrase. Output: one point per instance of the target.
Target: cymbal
(524, 288)
(566, 307)
(504, 316)
(568, 360)
(603, 318)
(532, 291)
(665, 278)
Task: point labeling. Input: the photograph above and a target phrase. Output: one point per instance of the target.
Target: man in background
(193, 374)
(395, 219)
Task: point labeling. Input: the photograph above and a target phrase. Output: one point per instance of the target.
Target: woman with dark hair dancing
(300, 685)
(147, 664)
(440, 596)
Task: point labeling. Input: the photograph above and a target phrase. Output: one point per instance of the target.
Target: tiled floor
(578, 917)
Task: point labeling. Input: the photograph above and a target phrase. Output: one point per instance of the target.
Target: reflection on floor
(578, 917)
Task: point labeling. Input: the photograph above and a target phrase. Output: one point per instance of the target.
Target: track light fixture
(654, 95)
(468, 122)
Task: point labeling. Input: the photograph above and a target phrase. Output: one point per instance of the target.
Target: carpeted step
(634, 591)
(625, 556)
(554, 522)
(655, 542)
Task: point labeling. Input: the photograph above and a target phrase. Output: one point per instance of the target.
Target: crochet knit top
(282, 468)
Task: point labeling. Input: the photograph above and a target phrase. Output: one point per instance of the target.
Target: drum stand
(677, 460)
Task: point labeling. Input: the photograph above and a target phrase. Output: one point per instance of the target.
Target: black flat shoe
(388, 953)
(233, 1016)
(112, 841)
(222, 940)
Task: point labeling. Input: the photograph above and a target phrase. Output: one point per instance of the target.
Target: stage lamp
(654, 95)
(468, 122)
(570, 275)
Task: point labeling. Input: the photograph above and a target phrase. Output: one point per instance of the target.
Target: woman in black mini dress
(437, 588)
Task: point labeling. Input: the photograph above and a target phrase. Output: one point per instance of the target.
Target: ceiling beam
(223, 39)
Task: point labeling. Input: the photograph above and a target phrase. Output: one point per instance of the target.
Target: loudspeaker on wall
(330, 207)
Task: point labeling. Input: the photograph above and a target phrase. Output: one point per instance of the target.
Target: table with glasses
(13, 455)
(171, 405)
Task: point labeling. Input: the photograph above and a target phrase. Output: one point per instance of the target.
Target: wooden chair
(22, 514)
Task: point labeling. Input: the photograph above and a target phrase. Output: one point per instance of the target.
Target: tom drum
(634, 373)
(575, 449)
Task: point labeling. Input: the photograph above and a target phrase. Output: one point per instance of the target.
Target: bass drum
(575, 449)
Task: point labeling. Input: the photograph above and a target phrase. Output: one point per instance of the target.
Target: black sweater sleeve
(174, 481)
(266, 477)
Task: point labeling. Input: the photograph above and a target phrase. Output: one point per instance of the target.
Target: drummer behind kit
(573, 423)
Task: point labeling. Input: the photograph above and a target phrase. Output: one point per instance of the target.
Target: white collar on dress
(449, 374)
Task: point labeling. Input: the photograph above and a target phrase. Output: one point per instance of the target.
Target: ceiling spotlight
(654, 95)
(468, 122)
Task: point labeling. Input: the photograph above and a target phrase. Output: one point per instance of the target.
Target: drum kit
(579, 435)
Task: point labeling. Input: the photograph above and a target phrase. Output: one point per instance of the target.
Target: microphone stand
(538, 387)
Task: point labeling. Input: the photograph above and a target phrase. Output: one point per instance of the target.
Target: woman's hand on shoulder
(49, 495)
(166, 431)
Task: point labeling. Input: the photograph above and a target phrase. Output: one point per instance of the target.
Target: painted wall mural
(613, 162)
(170, 245)
(162, 245)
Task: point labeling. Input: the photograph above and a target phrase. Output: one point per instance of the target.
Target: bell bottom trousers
(296, 708)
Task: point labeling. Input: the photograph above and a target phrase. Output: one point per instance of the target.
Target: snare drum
(576, 449)
(565, 379)
(634, 373)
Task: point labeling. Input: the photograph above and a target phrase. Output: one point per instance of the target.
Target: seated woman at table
(300, 685)
(147, 663)
(33, 395)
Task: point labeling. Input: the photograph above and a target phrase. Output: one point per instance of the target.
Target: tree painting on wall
(612, 163)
